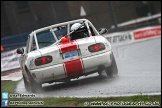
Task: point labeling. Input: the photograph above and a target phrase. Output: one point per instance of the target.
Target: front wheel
(112, 70)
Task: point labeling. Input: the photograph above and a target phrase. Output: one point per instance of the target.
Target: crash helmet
(80, 30)
(75, 26)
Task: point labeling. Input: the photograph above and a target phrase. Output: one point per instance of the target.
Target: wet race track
(139, 72)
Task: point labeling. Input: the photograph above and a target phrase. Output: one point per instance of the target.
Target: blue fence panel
(14, 41)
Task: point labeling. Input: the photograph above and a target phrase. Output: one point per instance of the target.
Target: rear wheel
(26, 84)
(112, 70)
(33, 85)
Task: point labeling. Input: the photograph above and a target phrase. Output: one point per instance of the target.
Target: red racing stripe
(59, 48)
(70, 46)
(64, 69)
(77, 44)
(74, 67)
(82, 65)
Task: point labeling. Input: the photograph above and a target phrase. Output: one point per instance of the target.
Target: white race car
(61, 52)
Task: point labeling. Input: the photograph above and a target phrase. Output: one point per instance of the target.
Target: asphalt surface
(139, 67)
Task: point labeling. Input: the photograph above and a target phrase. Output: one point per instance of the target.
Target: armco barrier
(9, 60)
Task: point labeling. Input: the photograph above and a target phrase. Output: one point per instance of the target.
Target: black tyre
(101, 69)
(112, 70)
(33, 85)
(26, 84)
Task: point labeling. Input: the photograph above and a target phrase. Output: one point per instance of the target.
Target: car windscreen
(45, 38)
(60, 32)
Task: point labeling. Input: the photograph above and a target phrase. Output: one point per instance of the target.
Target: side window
(93, 34)
(33, 45)
(27, 44)
(92, 30)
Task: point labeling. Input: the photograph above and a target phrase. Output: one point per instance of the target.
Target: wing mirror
(20, 51)
(102, 31)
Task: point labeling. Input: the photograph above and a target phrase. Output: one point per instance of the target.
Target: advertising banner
(147, 33)
(120, 37)
(10, 60)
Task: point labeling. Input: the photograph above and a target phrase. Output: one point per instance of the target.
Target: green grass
(10, 86)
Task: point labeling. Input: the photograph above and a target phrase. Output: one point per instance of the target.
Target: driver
(80, 31)
(34, 47)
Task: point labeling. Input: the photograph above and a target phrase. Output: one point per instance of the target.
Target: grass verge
(9, 86)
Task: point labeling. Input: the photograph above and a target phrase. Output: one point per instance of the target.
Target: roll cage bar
(85, 22)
